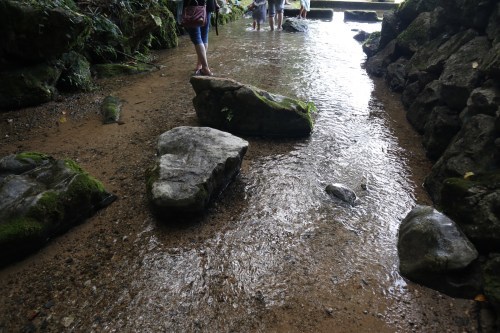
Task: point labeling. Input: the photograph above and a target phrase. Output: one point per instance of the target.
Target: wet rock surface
(243, 109)
(194, 165)
(449, 85)
(41, 197)
(434, 251)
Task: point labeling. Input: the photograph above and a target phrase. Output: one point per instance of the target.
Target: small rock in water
(343, 193)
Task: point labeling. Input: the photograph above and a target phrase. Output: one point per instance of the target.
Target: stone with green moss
(76, 74)
(41, 197)
(35, 31)
(243, 109)
(110, 109)
(415, 35)
(473, 203)
(28, 86)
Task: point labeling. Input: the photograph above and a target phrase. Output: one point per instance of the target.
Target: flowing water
(275, 253)
(288, 257)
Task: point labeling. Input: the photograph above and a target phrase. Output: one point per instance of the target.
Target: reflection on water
(290, 247)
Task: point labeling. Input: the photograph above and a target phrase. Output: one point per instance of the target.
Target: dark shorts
(275, 6)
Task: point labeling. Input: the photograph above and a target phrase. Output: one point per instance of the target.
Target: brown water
(275, 253)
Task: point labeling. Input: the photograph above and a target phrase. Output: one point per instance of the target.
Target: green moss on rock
(18, 229)
(35, 157)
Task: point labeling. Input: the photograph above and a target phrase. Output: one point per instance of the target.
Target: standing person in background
(305, 6)
(258, 8)
(199, 36)
(275, 8)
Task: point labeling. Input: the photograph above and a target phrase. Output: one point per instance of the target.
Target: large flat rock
(194, 165)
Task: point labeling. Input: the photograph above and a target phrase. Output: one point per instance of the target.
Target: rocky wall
(444, 59)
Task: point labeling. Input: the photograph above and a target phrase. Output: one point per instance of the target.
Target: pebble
(49, 304)
(67, 321)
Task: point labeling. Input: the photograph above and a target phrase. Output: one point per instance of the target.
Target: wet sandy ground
(82, 281)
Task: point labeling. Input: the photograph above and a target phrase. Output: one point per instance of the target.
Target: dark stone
(442, 125)
(420, 110)
(471, 150)
(493, 28)
(396, 75)
(474, 204)
(361, 36)
(361, 16)
(491, 275)
(434, 252)
(461, 74)
(342, 192)
(377, 64)
(371, 44)
(32, 34)
(410, 93)
(490, 66)
(431, 57)
(76, 74)
(28, 86)
(421, 31)
(482, 100)
(410, 9)
(295, 25)
(390, 28)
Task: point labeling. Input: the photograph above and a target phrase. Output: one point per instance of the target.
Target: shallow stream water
(274, 253)
(289, 257)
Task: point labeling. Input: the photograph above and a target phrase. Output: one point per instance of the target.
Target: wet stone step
(314, 13)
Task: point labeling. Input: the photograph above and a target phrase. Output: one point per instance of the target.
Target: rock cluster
(444, 59)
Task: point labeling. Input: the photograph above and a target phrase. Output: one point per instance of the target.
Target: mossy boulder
(106, 43)
(76, 74)
(243, 109)
(165, 35)
(28, 86)
(41, 197)
(110, 109)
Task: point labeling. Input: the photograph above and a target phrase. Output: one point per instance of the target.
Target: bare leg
(280, 20)
(201, 52)
(271, 22)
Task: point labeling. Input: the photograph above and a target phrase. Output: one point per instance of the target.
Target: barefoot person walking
(199, 37)
(305, 6)
(275, 9)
